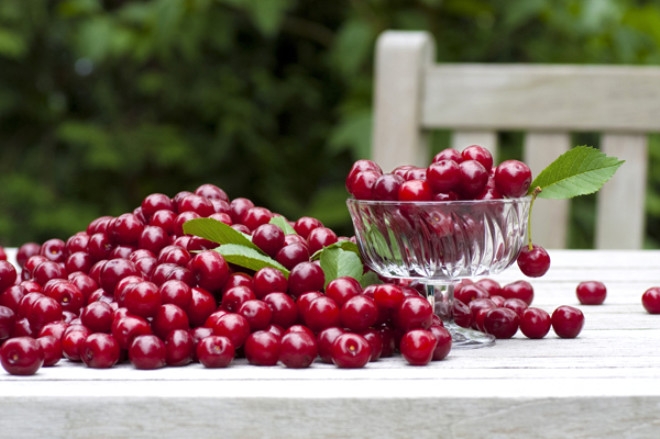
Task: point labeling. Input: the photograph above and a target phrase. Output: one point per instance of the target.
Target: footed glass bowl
(437, 243)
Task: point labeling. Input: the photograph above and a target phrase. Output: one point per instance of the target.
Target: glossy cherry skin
(179, 346)
(350, 351)
(414, 312)
(417, 346)
(147, 352)
(444, 342)
(284, 309)
(501, 322)
(520, 289)
(591, 292)
(21, 356)
(567, 321)
(52, 349)
(512, 178)
(262, 348)
(100, 351)
(298, 349)
(325, 339)
(535, 323)
(7, 321)
(533, 262)
(651, 300)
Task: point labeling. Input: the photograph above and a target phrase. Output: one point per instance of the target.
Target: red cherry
(417, 346)
(215, 351)
(21, 356)
(533, 262)
(567, 321)
(591, 292)
(651, 300)
(535, 323)
(350, 351)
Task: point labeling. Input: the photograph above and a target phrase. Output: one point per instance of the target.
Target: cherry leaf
(579, 171)
(218, 232)
(343, 244)
(283, 224)
(337, 262)
(249, 258)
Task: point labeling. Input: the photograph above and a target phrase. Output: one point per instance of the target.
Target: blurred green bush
(104, 102)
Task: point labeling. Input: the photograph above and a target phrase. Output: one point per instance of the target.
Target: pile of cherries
(453, 175)
(134, 288)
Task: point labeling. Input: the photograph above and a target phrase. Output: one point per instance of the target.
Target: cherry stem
(537, 190)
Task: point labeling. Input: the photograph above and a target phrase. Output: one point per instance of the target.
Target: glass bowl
(439, 242)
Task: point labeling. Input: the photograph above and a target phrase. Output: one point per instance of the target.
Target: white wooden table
(606, 383)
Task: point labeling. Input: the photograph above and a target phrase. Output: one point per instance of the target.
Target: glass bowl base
(464, 338)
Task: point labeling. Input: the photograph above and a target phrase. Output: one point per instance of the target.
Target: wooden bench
(414, 95)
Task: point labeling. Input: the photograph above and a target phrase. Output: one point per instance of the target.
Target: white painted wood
(400, 63)
(538, 97)
(413, 95)
(549, 217)
(620, 209)
(602, 384)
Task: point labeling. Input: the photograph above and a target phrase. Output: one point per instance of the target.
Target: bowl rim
(431, 203)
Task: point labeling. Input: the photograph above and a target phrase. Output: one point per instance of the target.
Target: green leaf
(579, 171)
(344, 244)
(249, 258)
(283, 224)
(370, 278)
(218, 232)
(337, 262)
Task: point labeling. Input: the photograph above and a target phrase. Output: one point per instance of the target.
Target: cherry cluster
(134, 288)
(501, 310)
(453, 175)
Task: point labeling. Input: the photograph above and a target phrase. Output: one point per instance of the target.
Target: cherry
(342, 289)
(176, 292)
(478, 153)
(386, 187)
(7, 321)
(269, 238)
(152, 203)
(591, 292)
(306, 276)
(126, 328)
(98, 317)
(444, 341)
(501, 322)
(73, 340)
(321, 313)
(325, 339)
(8, 275)
(535, 323)
(142, 299)
(268, 280)
(202, 304)
(304, 225)
(234, 297)
(51, 348)
(415, 190)
(21, 356)
(293, 254)
(375, 339)
(212, 192)
(24, 252)
(520, 289)
(651, 300)
(567, 321)
(350, 351)
(417, 346)
(361, 185)
(179, 347)
(256, 216)
(444, 176)
(533, 262)
(284, 309)
(414, 312)
(262, 348)
(388, 296)
(257, 313)
(512, 178)
(54, 250)
(472, 178)
(233, 326)
(168, 318)
(147, 352)
(100, 351)
(298, 349)
(358, 313)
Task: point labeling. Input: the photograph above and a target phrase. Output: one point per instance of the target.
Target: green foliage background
(104, 102)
